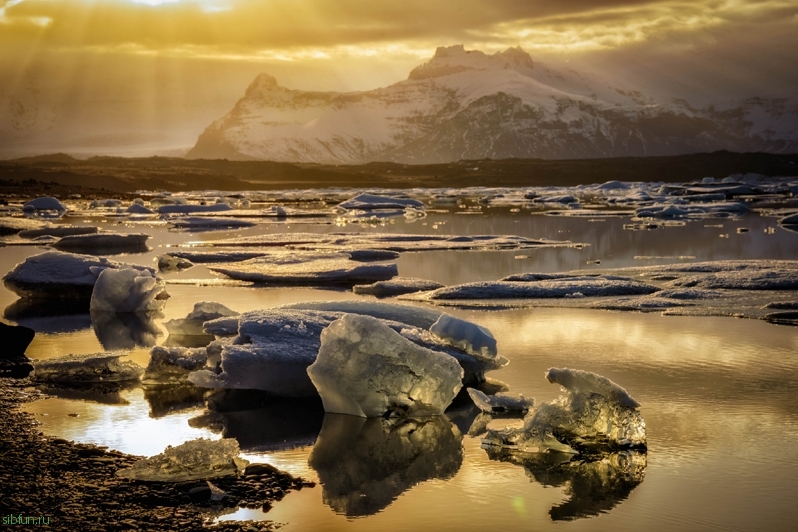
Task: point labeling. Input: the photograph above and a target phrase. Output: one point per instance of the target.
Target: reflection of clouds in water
(125, 330)
(595, 485)
(365, 464)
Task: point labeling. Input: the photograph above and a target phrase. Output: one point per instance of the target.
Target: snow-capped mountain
(471, 105)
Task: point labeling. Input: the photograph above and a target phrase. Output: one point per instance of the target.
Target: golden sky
(137, 72)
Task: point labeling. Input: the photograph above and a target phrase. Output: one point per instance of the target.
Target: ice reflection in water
(595, 484)
(365, 464)
(125, 330)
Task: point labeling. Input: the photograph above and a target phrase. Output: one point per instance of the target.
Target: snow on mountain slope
(470, 105)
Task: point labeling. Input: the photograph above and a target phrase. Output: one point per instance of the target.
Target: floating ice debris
(45, 203)
(307, 269)
(595, 412)
(370, 202)
(396, 286)
(138, 208)
(208, 222)
(555, 288)
(693, 210)
(192, 323)
(221, 326)
(495, 404)
(563, 198)
(422, 318)
(170, 263)
(773, 279)
(364, 368)
(189, 209)
(173, 364)
(204, 257)
(92, 368)
(105, 203)
(466, 336)
(372, 255)
(59, 275)
(103, 241)
(193, 460)
(128, 290)
(365, 464)
(12, 226)
(595, 484)
(58, 230)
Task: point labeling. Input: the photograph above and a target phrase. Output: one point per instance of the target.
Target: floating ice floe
(190, 209)
(209, 222)
(193, 460)
(366, 369)
(103, 241)
(107, 203)
(595, 413)
(58, 231)
(203, 311)
(59, 275)
(128, 289)
(499, 404)
(84, 369)
(396, 286)
(173, 364)
(307, 269)
(13, 226)
(365, 464)
(423, 318)
(44, 204)
(773, 279)
(693, 210)
(369, 202)
(170, 263)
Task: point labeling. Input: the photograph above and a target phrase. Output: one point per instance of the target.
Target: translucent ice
(465, 335)
(492, 404)
(173, 364)
(364, 368)
(192, 323)
(128, 290)
(595, 412)
(193, 460)
(93, 368)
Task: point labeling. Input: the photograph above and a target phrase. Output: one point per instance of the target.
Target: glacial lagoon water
(719, 394)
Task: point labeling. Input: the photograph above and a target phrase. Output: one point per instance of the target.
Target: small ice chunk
(105, 203)
(138, 208)
(371, 202)
(203, 311)
(396, 286)
(227, 326)
(366, 369)
(595, 412)
(193, 460)
(104, 241)
(493, 404)
(209, 222)
(81, 369)
(128, 290)
(170, 263)
(173, 364)
(45, 203)
(13, 226)
(465, 335)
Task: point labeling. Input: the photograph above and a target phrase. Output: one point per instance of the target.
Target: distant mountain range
(471, 105)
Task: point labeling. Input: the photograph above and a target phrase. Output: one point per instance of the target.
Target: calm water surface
(719, 395)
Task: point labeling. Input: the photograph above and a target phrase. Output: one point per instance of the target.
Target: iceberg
(595, 413)
(365, 464)
(194, 460)
(104, 242)
(366, 369)
(307, 269)
(500, 404)
(44, 204)
(91, 368)
(128, 290)
(59, 275)
(173, 364)
(396, 287)
(203, 311)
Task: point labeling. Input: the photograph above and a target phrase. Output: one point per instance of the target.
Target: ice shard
(193, 460)
(91, 368)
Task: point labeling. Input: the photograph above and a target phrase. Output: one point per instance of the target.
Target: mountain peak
(450, 60)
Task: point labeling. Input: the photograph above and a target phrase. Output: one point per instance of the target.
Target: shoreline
(73, 486)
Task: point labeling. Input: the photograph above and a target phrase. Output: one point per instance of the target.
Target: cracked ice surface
(366, 369)
(307, 268)
(60, 275)
(595, 412)
(128, 290)
(193, 460)
(92, 368)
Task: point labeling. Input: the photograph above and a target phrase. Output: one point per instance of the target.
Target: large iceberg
(60, 275)
(81, 369)
(307, 268)
(365, 464)
(128, 290)
(595, 413)
(193, 460)
(364, 368)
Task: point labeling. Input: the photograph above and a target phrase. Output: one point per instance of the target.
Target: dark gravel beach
(73, 486)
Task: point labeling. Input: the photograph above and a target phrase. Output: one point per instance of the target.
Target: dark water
(719, 395)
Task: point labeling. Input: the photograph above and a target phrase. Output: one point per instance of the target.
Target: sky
(137, 77)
